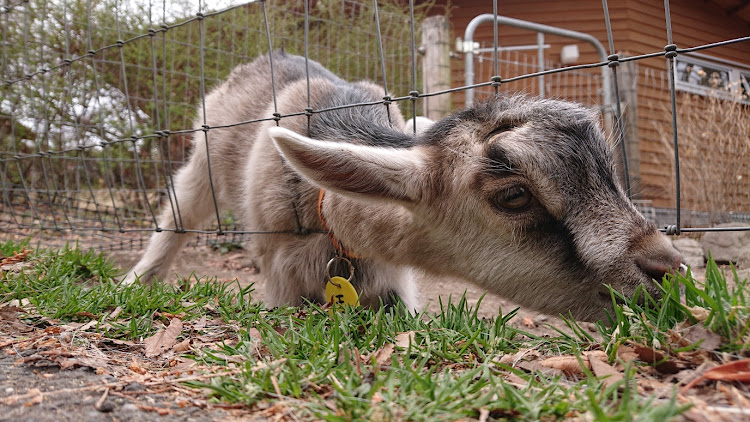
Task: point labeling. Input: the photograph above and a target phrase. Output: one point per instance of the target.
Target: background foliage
(91, 87)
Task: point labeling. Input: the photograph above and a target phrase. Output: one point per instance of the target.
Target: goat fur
(434, 200)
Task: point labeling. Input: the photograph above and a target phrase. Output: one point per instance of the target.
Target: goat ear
(354, 170)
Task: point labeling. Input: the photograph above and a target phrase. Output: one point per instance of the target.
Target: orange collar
(336, 243)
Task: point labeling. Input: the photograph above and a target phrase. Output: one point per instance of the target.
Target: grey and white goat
(517, 195)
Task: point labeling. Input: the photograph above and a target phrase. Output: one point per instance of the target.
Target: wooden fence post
(628, 73)
(436, 67)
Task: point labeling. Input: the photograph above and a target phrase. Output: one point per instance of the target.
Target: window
(745, 86)
(706, 77)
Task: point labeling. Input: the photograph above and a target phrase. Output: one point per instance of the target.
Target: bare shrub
(714, 148)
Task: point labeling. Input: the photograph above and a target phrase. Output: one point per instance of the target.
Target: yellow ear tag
(341, 292)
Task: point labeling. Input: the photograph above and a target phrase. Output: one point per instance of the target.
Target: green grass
(325, 365)
(75, 285)
(450, 371)
(720, 308)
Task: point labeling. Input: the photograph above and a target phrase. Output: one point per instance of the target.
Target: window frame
(738, 78)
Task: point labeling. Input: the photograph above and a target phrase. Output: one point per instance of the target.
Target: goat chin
(518, 194)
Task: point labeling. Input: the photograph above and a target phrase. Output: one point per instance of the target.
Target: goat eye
(513, 198)
(500, 129)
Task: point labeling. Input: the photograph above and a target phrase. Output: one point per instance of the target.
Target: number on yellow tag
(343, 294)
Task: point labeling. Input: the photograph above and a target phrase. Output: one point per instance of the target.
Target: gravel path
(75, 395)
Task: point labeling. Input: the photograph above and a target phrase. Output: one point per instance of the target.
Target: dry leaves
(571, 364)
(383, 354)
(706, 339)
(733, 371)
(164, 339)
(70, 345)
(603, 370)
(15, 259)
(528, 322)
(404, 339)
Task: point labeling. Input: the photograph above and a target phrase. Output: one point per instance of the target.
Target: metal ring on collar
(328, 269)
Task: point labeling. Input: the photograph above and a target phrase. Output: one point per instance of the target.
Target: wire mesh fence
(714, 153)
(100, 97)
(581, 85)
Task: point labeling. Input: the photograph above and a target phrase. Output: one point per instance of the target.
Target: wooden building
(712, 85)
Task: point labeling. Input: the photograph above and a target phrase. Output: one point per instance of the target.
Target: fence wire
(99, 98)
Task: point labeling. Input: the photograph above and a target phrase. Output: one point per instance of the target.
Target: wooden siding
(638, 27)
(694, 23)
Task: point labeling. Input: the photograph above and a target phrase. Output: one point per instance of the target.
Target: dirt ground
(79, 405)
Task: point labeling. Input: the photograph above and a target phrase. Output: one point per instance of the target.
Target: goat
(518, 195)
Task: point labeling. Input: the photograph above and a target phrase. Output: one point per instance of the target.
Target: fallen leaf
(700, 314)
(733, 371)
(648, 354)
(571, 364)
(707, 340)
(16, 258)
(331, 405)
(254, 334)
(88, 325)
(23, 303)
(114, 314)
(160, 410)
(137, 368)
(597, 354)
(567, 364)
(694, 358)
(506, 359)
(170, 316)
(8, 313)
(523, 354)
(658, 359)
(383, 355)
(653, 386)
(669, 367)
(403, 339)
(602, 369)
(182, 346)
(535, 366)
(515, 380)
(200, 324)
(163, 340)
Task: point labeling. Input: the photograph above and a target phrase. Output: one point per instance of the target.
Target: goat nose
(657, 265)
